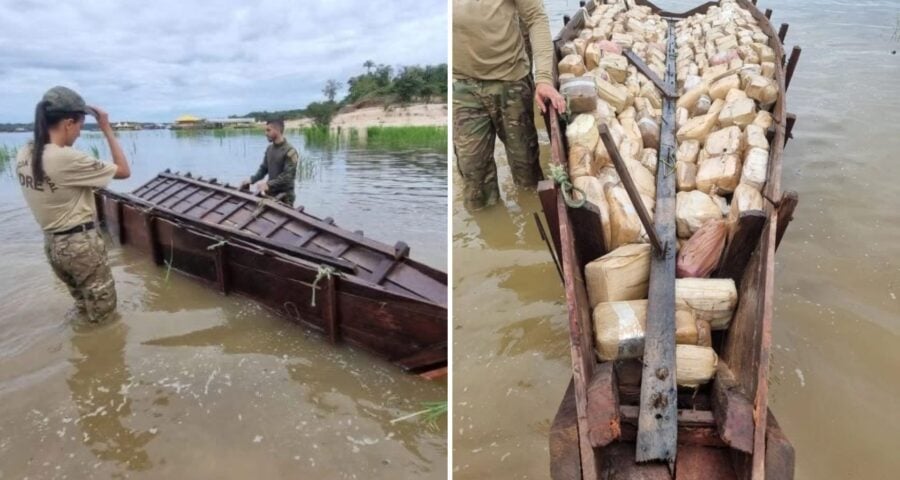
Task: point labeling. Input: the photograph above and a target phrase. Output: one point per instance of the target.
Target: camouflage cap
(62, 99)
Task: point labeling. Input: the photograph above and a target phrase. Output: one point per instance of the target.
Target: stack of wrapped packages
(725, 74)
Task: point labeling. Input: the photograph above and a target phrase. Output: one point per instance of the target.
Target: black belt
(77, 228)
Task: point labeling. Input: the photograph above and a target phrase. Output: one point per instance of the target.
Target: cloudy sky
(153, 61)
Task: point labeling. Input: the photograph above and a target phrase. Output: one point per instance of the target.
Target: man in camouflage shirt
(494, 94)
(279, 163)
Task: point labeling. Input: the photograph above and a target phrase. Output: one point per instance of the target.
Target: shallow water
(833, 384)
(192, 384)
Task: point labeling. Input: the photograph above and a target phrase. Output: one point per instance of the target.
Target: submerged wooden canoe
(725, 429)
(350, 287)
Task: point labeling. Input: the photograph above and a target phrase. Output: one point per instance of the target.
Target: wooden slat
(742, 241)
(644, 69)
(306, 238)
(152, 198)
(790, 120)
(732, 410)
(158, 188)
(565, 462)
(206, 211)
(791, 66)
(330, 311)
(785, 214)
(779, 452)
(603, 406)
(277, 226)
(658, 423)
(250, 219)
(196, 203)
(382, 270)
(155, 253)
(337, 252)
(222, 280)
(227, 214)
(547, 194)
(782, 32)
(769, 13)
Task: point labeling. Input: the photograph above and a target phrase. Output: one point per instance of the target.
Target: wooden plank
(277, 226)
(234, 209)
(697, 462)
(158, 189)
(329, 310)
(732, 410)
(159, 201)
(221, 256)
(250, 218)
(565, 461)
(785, 214)
(630, 188)
(337, 252)
(424, 358)
(790, 120)
(779, 452)
(782, 32)
(644, 69)
(308, 237)
(580, 336)
(658, 424)
(742, 241)
(382, 270)
(587, 228)
(206, 211)
(791, 66)
(769, 13)
(196, 203)
(603, 406)
(149, 225)
(547, 194)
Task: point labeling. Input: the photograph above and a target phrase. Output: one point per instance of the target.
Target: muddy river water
(833, 382)
(192, 384)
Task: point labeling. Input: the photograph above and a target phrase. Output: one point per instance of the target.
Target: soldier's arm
(261, 172)
(532, 13)
(286, 179)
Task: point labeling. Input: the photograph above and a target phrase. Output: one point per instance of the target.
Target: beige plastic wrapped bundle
(643, 179)
(619, 328)
(624, 40)
(694, 365)
(740, 111)
(719, 89)
(581, 162)
(591, 56)
(765, 52)
(568, 48)
(726, 140)
(755, 137)
(572, 64)
(768, 69)
(625, 224)
(720, 172)
(745, 199)
(580, 46)
(763, 90)
(615, 65)
(593, 192)
(583, 131)
(649, 132)
(650, 159)
(687, 151)
(692, 210)
(756, 165)
(622, 274)
(763, 119)
(580, 94)
(711, 299)
(685, 176)
(682, 115)
(698, 128)
(615, 95)
(607, 46)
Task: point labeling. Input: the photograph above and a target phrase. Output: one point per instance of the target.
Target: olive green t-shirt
(65, 198)
(488, 41)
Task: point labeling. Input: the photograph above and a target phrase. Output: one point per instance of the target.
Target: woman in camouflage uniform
(57, 182)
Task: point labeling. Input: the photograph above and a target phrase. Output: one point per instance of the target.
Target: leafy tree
(368, 65)
(322, 112)
(331, 89)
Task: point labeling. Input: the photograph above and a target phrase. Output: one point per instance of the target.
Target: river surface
(192, 384)
(833, 383)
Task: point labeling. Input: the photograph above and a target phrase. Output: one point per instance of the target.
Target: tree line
(380, 85)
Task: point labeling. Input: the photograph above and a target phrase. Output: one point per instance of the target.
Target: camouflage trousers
(482, 111)
(79, 260)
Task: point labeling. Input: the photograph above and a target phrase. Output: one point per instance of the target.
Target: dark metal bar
(643, 68)
(792, 64)
(658, 419)
(630, 187)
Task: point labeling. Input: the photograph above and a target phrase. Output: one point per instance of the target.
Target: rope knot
(325, 271)
(558, 174)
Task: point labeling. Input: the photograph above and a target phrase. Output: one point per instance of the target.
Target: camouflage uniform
(483, 110)
(280, 164)
(80, 261)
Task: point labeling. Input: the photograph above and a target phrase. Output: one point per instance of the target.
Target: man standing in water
(58, 183)
(279, 163)
(493, 91)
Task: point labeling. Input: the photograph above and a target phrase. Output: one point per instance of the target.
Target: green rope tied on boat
(558, 174)
(325, 271)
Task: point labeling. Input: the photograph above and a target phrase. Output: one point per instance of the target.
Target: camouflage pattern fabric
(483, 110)
(80, 261)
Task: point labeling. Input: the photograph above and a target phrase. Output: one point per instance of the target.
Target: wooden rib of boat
(350, 287)
(725, 429)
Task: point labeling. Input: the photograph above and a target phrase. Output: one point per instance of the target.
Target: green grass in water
(430, 414)
(407, 137)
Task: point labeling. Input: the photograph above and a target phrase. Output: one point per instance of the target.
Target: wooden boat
(725, 429)
(350, 287)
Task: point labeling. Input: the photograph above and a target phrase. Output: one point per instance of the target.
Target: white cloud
(155, 60)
